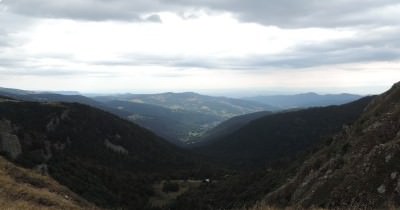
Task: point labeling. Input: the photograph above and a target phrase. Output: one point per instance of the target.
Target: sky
(210, 46)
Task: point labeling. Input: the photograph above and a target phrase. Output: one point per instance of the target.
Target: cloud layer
(168, 38)
(284, 13)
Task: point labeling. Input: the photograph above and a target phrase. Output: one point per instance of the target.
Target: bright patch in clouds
(180, 48)
(204, 36)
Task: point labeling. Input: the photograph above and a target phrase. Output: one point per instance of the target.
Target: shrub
(170, 187)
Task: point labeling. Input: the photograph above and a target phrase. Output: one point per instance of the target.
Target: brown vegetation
(164, 197)
(26, 189)
(265, 206)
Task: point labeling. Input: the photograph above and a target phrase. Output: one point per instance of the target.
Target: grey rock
(10, 144)
(42, 169)
(393, 175)
(115, 148)
(388, 158)
(381, 189)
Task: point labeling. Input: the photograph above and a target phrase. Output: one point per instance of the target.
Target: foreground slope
(25, 189)
(359, 167)
(272, 137)
(109, 161)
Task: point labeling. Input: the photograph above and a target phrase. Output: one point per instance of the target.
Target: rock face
(115, 148)
(358, 167)
(9, 143)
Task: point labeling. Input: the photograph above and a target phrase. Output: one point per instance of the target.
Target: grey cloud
(10, 62)
(97, 10)
(172, 75)
(313, 56)
(283, 13)
(3, 40)
(30, 72)
(21, 70)
(314, 59)
(21, 67)
(370, 46)
(168, 61)
(153, 18)
(306, 13)
(25, 65)
(11, 24)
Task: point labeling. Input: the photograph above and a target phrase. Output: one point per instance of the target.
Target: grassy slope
(26, 189)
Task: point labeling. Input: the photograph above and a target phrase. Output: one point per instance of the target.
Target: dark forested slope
(272, 137)
(107, 160)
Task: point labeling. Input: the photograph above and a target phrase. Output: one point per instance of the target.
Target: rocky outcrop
(43, 169)
(52, 124)
(55, 121)
(115, 148)
(358, 167)
(9, 143)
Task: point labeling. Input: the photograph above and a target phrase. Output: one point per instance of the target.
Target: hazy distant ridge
(304, 100)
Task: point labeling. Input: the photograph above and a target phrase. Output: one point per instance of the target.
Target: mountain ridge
(304, 100)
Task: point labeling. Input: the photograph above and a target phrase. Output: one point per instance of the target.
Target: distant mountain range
(180, 117)
(159, 112)
(304, 100)
(222, 107)
(24, 92)
(53, 97)
(12, 91)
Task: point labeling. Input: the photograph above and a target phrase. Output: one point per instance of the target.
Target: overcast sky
(200, 45)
